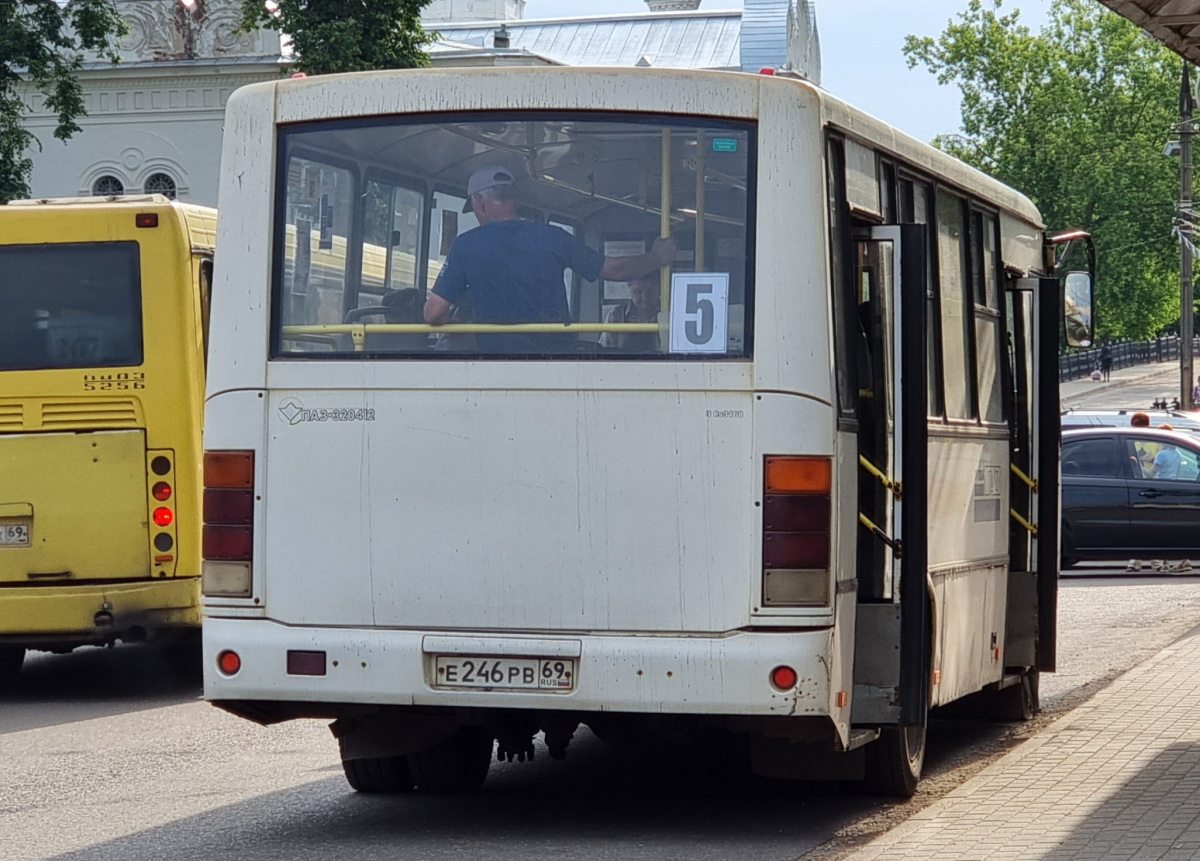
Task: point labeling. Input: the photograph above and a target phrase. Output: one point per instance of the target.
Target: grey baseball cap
(485, 178)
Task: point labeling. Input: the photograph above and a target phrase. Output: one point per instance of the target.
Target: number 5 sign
(699, 312)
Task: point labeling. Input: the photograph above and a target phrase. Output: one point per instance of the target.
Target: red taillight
(796, 523)
(163, 516)
(228, 543)
(796, 513)
(223, 505)
(229, 506)
(161, 491)
(229, 662)
(795, 550)
(784, 678)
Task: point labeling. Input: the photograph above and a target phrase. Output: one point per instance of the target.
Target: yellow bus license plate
(14, 534)
(526, 674)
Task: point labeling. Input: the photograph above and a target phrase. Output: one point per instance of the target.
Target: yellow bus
(103, 315)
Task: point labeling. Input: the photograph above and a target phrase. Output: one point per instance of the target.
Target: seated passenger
(514, 268)
(641, 307)
(1166, 460)
(400, 306)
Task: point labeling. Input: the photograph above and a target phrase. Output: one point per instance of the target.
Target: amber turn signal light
(229, 469)
(798, 474)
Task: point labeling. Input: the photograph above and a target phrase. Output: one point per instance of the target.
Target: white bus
(798, 507)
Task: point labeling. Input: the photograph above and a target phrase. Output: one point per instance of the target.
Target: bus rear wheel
(458, 764)
(11, 659)
(379, 774)
(895, 760)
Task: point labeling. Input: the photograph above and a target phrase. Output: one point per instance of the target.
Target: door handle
(1151, 494)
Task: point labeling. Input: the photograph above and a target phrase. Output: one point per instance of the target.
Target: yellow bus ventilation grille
(12, 417)
(113, 413)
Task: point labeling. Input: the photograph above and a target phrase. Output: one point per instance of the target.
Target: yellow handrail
(893, 486)
(1032, 527)
(1031, 482)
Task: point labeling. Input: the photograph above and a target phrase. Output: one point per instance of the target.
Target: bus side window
(204, 279)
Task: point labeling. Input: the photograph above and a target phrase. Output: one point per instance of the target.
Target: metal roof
(677, 40)
(1175, 23)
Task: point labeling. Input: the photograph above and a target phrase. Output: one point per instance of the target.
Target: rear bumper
(51, 616)
(719, 675)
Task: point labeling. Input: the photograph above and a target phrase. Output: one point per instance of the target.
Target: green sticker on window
(725, 144)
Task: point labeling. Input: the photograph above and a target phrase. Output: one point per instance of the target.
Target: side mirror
(1077, 309)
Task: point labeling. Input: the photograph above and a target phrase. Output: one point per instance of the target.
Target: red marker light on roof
(299, 75)
(163, 516)
(766, 70)
(146, 219)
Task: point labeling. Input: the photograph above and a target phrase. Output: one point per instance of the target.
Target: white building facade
(154, 122)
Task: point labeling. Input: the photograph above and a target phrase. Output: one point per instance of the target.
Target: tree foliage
(44, 43)
(1076, 116)
(346, 35)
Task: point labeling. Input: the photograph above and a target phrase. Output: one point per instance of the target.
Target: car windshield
(534, 234)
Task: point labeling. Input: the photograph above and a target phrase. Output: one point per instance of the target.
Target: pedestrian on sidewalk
(1106, 360)
(1196, 394)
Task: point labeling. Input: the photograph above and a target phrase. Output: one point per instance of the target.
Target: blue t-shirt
(514, 270)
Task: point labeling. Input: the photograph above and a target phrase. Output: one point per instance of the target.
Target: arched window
(107, 186)
(160, 183)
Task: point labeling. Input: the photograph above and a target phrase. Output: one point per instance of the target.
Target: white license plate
(14, 534)
(526, 674)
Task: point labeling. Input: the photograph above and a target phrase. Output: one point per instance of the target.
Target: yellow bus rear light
(163, 542)
(229, 469)
(798, 474)
(163, 516)
(161, 491)
(167, 558)
(160, 465)
(225, 579)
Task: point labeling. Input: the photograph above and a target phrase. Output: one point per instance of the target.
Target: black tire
(458, 764)
(1017, 702)
(11, 659)
(380, 774)
(1066, 554)
(895, 760)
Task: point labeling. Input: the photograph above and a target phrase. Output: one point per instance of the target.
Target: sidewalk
(1075, 393)
(1117, 777)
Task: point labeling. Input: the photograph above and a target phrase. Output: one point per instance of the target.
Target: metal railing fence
(1079, 363)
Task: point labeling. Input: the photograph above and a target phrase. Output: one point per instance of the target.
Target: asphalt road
(105, 755)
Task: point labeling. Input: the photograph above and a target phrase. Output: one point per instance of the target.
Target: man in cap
(514, 268)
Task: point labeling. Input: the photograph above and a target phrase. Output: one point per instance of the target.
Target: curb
(1117, 384)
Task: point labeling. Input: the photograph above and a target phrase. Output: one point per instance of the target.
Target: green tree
(1076, 117)
(346, 35)
(43, 43)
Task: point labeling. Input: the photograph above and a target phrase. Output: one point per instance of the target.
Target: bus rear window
(516, 236)
(70, 305)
